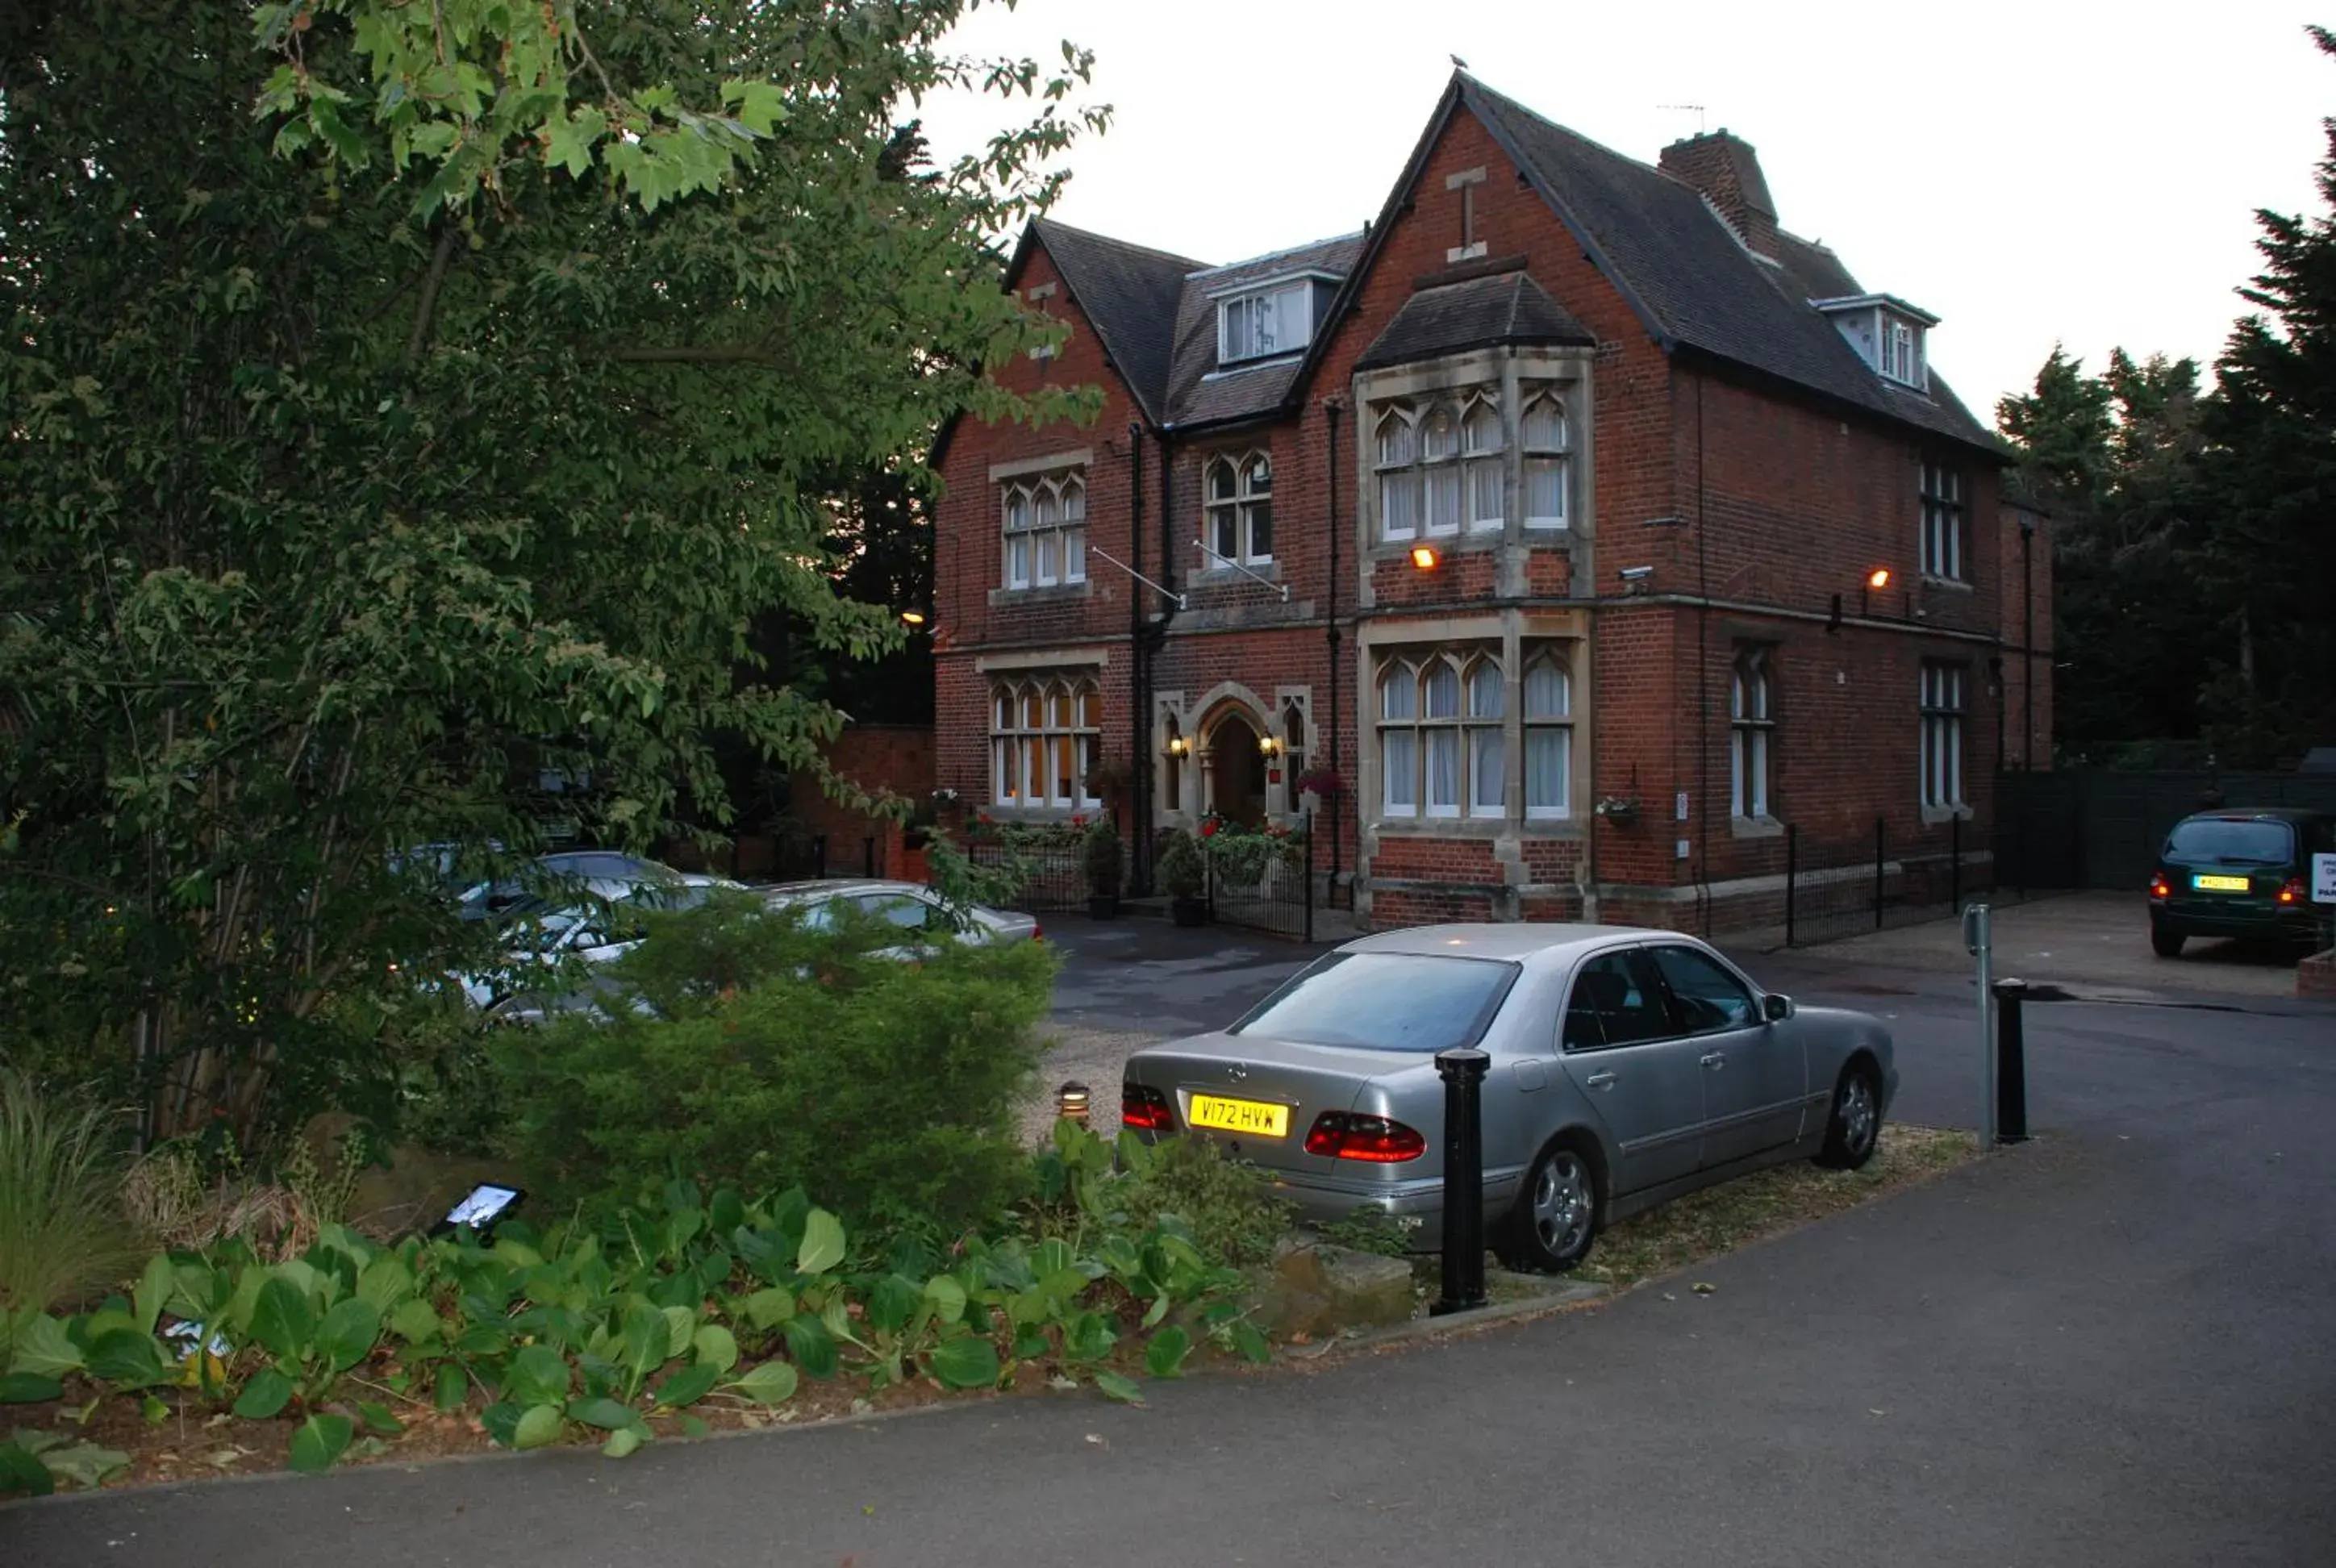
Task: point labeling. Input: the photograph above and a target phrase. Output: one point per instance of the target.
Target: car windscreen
(1385, 1002)
(2233, 840)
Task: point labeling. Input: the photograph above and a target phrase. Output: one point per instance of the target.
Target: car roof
(2256, 813)
(838, 887)
(1498, 939)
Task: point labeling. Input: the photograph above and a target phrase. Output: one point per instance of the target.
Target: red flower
(1209, 828)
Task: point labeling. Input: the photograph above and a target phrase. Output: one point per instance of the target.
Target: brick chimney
(1726, 169)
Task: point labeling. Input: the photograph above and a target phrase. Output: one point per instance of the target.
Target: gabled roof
(1454, 317)
(1690, 279)
(1130, 294)
(1200, 393)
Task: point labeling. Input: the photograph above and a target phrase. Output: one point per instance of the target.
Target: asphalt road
(2112, 1345)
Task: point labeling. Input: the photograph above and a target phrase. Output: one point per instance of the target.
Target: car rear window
(2234, 841)
(1385, 1002)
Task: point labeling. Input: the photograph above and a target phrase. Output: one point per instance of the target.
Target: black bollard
(2010, 1063)
(1463, 1073)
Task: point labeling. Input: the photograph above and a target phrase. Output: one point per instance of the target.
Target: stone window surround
(1509, 630)
(1503, 370)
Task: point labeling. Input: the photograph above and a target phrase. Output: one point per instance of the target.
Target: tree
(346, 505)
(2272, 465)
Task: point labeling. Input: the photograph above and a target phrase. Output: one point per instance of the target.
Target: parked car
(1628, 1067)
(551, 881)
(592, 932)
(2240, 873)
(911, 906)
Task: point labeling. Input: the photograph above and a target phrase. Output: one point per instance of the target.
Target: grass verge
(1751, 1208)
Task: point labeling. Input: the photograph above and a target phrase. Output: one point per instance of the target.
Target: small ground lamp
(1071, 1102)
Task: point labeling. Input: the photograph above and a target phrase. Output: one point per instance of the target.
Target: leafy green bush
(63, 1231)
(742, 1049)
(691, 1302)
(1231, 1214)
(1182, 870)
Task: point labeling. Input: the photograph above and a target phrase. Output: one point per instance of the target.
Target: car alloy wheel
(1856, 1123)
(1556, 1216)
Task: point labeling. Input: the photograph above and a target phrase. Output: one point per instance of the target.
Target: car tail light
(2293, 893)
(1037, 932)
(1377, 1139)
(1142, 1108)
(2160, 888)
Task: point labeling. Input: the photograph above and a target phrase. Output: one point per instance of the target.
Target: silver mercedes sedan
(1628, 1066)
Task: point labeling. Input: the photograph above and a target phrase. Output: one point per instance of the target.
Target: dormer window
(1887, 333)
(1278, 320)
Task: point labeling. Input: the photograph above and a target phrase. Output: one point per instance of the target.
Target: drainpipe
(2028, 642)
(1331, 408)
(1139, 757)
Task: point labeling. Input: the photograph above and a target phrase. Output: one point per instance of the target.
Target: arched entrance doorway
(1237, 771)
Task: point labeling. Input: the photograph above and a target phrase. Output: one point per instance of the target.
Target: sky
(2057, 171)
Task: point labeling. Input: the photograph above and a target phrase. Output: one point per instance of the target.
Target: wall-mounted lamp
(1178, 746)
(1876, 581)
(912, 617)
(1269, 744)
(1424, 557)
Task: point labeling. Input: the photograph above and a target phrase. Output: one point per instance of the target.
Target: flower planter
(1189, 912)
(1102, 906)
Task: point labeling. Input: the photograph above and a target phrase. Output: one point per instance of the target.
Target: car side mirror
(1777, 1007)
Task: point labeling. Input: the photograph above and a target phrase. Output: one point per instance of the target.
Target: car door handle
(1600, 1080)
(1715, 1060)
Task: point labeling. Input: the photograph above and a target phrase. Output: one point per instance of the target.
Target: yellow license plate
(1240, 1116)
(2211, 885)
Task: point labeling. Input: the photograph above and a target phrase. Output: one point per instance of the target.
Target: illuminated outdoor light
(1424, 557)
(1878, 578)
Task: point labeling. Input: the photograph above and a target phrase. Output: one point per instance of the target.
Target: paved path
(2117, 1345)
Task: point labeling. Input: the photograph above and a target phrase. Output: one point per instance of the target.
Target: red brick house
(1546, 511)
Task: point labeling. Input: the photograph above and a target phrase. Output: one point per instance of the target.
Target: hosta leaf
(687, 1386)
(502, 1421)
(1030, 1345)
(608, 1415)
(128, 1358)
(647, 1337)
(766, 1308)
(772, 1383)
(265, 1395)
(537, 1375)
(321, 1440)
(22, 1475)
(44, 1349)
(680, 1324)
(1120, 1386)
(969, 1361)
(716, 1346)
(283, 1320)
(811, 1346)
(822, 1243)
(1251, 1342)
(348, 1332)
(1089, 1338)
(893, 1302)
(29, 1388)
(413, 1320)
(539, 1427)
(1164, 1355)
(379, 1420)
(452, 1389)
(84, 1464)
(625, 1441)
(154, 1290)
(387, 1283)
(947, 1297)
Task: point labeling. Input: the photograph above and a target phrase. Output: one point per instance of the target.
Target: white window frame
(1943, 713)
(1554, 456)
(1751, 736)
(1248, 501)
(1898, 349)
(1553, 658)
(1944, 536)
(1439, 469)
(1026, 741)
(1394, 459)
(1239, 317)
(1483, 462)
(1043, 525)
(1483, 730)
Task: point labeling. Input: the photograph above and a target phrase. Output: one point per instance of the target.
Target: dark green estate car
(2240, 873)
